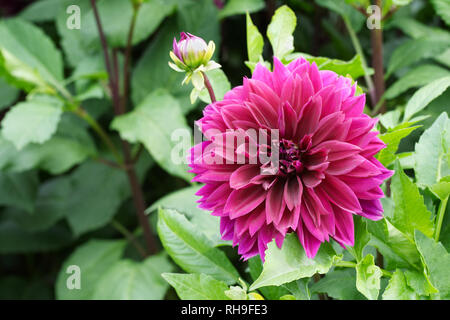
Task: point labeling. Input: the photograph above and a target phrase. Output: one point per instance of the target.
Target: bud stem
(209, 87)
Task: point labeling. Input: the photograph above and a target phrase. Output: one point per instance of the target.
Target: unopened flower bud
(192, 52)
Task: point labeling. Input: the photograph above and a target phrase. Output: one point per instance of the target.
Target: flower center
(290, 158)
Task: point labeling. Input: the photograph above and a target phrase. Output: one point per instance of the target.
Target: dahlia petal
(310, 243)
(371, 209)
(344, 166)
(274, 203)
(338, 150)
(242, 177)
(310, 118)
(293, 190)
(241, 202)
(340, 194)
(345, 231)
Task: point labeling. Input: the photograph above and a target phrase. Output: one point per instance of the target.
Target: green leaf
(31, 121)
(14, 239)
(43, 10)
(184, 201)
(8, 93)
(219, 83)
(416, 30)
(116, 16)
(442, 8)
(280, 31)
(50, 205)
(70, 145)
(298, 288)
(191, 249)
(425, 95)
(28, 56)
(196, 286)
(354, 67)
(398, 251)
(414, 50)
(98, 191)
(410, 212)
(362, 238)
(441, 189)
(131, 280)
(73, 40)
(346, 11)
(419, 282)
(291, 263)
(339, 284)
(392, 140)
(93, 258)
(270, 292)
(160, 115)
(255, 41)
(233, 7)
(398, 288)
(18, 190)
(416, 77)
(436, 260)
(368, 277)
(432, 153)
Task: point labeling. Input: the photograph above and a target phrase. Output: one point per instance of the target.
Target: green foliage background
(65, 198)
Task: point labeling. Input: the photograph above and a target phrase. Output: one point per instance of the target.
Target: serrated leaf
(398, 251)
(392, 139)
(414, 50)
(425, 95)
(93, 258)
(431, 153)
(410, 212)
(28, 56)
(70, 145)
(398, 288)
(291, 263)
(270, 292)
(416, 77)
(368, 277)
(353, 67)
(442, 8)
(197, 286)
(31, 121)
(131, 280)
(436, 260)
(280, 31)
(191, 249)
(160, 115)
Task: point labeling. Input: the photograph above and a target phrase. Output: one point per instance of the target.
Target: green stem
(440, 218)
(351, 264)
(124, 231)
(359, 51)
(99, 130)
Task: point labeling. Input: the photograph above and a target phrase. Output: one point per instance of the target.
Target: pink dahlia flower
(326, 170)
